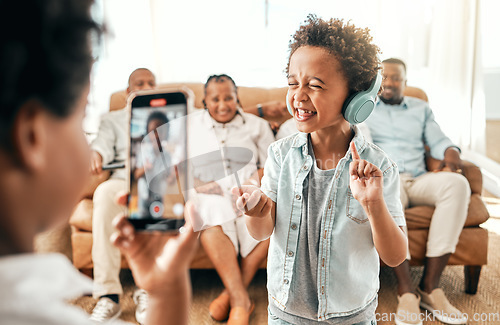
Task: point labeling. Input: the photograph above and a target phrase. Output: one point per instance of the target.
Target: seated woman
(223, 126)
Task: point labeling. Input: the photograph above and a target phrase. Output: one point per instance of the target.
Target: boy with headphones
(329, 199)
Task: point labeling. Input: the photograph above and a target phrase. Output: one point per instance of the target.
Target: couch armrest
(92, 182)
(474, 176)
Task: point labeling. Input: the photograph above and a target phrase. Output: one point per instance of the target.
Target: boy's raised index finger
(354, 151)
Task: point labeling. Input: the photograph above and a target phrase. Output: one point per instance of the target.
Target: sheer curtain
(192, 39)
(455, 73)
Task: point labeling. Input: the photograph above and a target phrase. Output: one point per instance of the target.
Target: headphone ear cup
(348, 107)
(359, 106)
(288, 105)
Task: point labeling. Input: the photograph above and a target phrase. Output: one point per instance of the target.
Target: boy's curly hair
(352, 46)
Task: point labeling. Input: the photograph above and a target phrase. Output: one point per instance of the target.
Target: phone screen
(158, 149)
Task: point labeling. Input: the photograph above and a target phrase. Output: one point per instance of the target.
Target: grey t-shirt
(303, 303)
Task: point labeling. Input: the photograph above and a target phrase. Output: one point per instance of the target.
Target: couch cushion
(82, 215)
(472, 247)
(478, 213)
(82, 249)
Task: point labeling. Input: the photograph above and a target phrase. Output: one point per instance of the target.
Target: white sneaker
(437, 303)
(105, 310)
(141, 300)
(408, 312)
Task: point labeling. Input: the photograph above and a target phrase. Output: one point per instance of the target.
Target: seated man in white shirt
(111, 145)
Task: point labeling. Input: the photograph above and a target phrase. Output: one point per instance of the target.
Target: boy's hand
(366, 179)
(251, 201)
(158, 261)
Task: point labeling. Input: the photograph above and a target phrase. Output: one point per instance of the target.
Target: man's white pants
(450, 194)
(106, 257)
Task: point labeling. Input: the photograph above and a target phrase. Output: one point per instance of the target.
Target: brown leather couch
(472, 246)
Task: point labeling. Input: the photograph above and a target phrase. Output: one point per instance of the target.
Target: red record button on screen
(158, 102)
(156, 209)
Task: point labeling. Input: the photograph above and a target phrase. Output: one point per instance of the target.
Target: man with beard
(402, 127)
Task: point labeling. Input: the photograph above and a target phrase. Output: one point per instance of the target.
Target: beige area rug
(484, 305)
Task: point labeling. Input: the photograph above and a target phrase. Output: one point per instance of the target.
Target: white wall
(492, 93)
(191, 39)
(491, 60)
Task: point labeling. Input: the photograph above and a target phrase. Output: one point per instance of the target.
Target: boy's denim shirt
(348, 263)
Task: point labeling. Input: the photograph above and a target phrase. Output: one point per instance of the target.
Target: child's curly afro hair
(352, 46)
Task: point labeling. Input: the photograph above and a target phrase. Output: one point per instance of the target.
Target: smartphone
(158, 151)
(114, 165)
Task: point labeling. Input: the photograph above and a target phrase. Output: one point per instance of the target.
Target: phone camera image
(158, 141)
